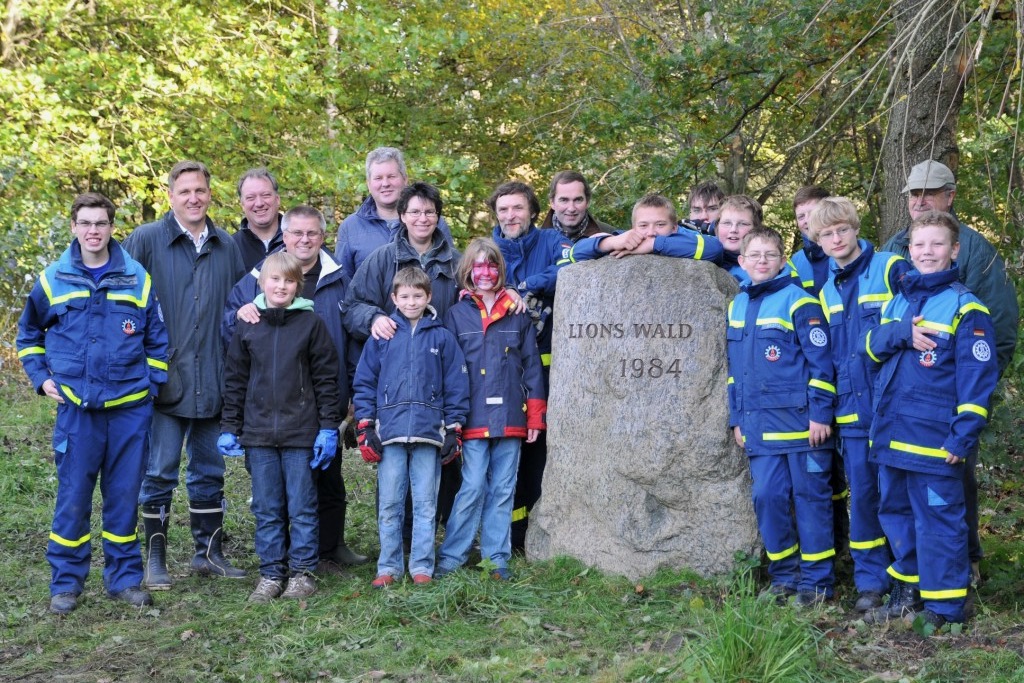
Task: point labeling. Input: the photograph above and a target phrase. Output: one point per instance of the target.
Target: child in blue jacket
(507, 404)
(861, 281)
(781, 395)
(936, 347)
(411, 399)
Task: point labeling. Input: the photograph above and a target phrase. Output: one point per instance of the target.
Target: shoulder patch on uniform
(818, 337)
(981, 351)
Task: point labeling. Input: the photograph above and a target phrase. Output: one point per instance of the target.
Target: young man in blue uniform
(937, 350)
(861, 282)
(781, 396)
(91, 338)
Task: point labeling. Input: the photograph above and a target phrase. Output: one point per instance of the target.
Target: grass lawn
(556, 621)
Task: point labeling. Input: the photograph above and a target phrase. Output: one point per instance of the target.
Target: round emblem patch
(927, 358)
(772, 353)
(981, 350)
(128, 326)
(818, 337)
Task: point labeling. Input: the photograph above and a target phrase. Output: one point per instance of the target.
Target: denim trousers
(484, 502)
(405, 465)
(284, 503)
(204, 477)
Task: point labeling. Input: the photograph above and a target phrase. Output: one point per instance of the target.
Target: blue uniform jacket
(413, 385)
(811, 265)
(103, 343)
(983, 272)
(852, 300)
(781, 374)
(507, 392)
(929, 404)
(363, 232)
(327, 303)
(369, 293)
(682, 244)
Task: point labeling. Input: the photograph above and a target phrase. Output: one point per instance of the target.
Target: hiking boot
(778, 593)
(299, 586)
(809, 599)
(267, 590)
(345, 556)
(904, 600)
(383, 581)
(63, 603)
(867, 600)
(421, 579)
(134, 596)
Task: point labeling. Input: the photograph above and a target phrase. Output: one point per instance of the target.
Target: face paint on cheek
(487, 270)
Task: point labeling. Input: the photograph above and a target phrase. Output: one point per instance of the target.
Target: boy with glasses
(781, 395)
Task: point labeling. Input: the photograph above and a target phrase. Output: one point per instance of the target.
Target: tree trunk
(928, 61)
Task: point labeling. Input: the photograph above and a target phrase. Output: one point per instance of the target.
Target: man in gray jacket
(194, 265)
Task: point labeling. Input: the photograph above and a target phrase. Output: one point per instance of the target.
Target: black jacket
(281, 379)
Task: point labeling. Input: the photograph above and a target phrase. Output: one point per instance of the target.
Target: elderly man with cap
(932, 186)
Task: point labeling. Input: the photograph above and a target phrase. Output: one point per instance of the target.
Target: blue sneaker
(501, 574)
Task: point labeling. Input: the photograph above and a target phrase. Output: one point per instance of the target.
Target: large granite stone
(642, 470)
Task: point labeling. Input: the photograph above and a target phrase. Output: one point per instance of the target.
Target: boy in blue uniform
(653, 231)
(411, 400)
(861, 282)
(781, 396)
(936, 347)
(91, 338)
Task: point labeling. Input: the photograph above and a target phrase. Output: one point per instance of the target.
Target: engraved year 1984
(650, 367)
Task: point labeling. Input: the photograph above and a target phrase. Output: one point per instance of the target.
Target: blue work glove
(228, 445)
(324, 448)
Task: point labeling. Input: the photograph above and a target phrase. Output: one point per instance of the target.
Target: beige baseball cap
(929, 175)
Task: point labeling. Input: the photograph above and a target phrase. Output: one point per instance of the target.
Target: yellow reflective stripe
(971, 408)
(520, 514)
(847, 419)
(545, 359)
(138, 396)
(919, 450)
(905, 578)
(70, 544)
(120, 539)
(867, 345)
(156, 363)
(784, 554)
(973, 306)
(785, 436)
(866, 298)
(139, 301)
(807, 283)
(735, 323)
(772, 321)
(938, 327)
(845, 493)
(814, 557)
(823, 385)
(838, 308)
(71, 395)
(944, 595)
(699, 251)
(803, 301)
(893, 260)
(30, 350)
(732, 380)
(867, 545)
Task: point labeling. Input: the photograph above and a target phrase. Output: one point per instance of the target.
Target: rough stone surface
(642, 472)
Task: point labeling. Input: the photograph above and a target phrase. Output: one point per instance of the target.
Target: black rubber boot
(343, 554)
(155, 519)
(207, 519)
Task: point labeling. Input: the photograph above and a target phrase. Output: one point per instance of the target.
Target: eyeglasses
(416, 213)
(838, 232)
(308, 235)
(99, 225)
(768, 256)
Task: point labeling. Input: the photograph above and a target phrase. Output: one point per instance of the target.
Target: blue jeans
(403, 465)
(205, 470)
(284, 504)
(484, 502)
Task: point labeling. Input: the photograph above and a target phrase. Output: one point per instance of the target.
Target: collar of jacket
(438, 252)
(854, 267)
(779, 282)
(71, 262)
(429, 319)
(916, 282)
(813, 250)
(173, 231)
(243, 225)
(524, 242)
